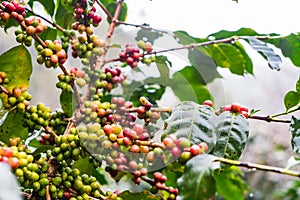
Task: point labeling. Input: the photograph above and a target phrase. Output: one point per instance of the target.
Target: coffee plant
(111, 138)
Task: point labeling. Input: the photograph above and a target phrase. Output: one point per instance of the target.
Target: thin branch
(104, 9)
(166, 109)
(250, 165)
(48, 129)
(287, 112)
(269, 119)
(146, 27)
(5, 90)
(114, 21)
(150, 144)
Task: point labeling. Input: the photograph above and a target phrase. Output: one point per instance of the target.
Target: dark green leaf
(42, 149)
(295, 131)
(49, 6)
(112, 8)
(290, 47)
(248, 62)
(99, 173)
(193, 121)
(68, 102)
(145, 195)
(187, 84)
(227, 34)
(197, 181)
(12, 127)
(199, 58)
(163, 65)
(84, 166)
(291, 99)
(17, 64)
(63, 17)
(10, 23)
(150, 36)
(298, 85)
(233, 130)
(267, 52)
(228, 56)
(230, 184)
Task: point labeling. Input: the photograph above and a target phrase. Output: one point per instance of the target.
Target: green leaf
(227, 34)
(199, 57)
(197, 182)
(290, 47)
(10, 23)
(163, 65)
(67, 102)
(187, 84)
(291, 99)
(13, 127)
(228, 56)
(295, 131)
(150, 36)
(267, 52)
(194, 122)
(63, 17)
(298, 85)
(99, 173)
(112, 8)
(230, 184)
(233, 131)
(145, 195)
(248, 62)
(42, 149)
(84, 166)
(17, 64)
(49, 6)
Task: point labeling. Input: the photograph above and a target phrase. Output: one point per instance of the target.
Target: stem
(48, 129)
(114, 21)
(150, 144)
(287, 112)
(48, 196)
(146, 27)
(167, 109)
(269, 119)
(104, 9)
(5, 90)
(250, 165)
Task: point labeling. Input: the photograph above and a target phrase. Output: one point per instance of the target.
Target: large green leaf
(298, 85)
(49, 6)
(149, 34)
(226, 34)
(232, 131)
(111, 7)
(68, 102)
(193, 121)
(197, 182)
(17, 64)
(84, 166)
(295, 131)
(290, 47)
(145, 195)
(230, 184)
(248, 62)
(188, 85)
(291, 99)
(199, 57)
(228, 56)
(13, 127)
(63, 17)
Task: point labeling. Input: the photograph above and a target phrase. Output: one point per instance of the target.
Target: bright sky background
(202, 17)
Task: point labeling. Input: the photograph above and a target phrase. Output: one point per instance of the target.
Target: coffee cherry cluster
(52, 55)
(97, 112)
(159, 183)
(147, 48)
(87, 48)
(11, 10)
(64, 82)
(66, 39)
(37, 117)
(144, 111)
(6, 155)
(79, 76)
(58, 122)
(84, 16)
(34, 25)
(120, 115)
(3, 78)
(23, 37)
(130, 55)
(19, 98)
(237, 108)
